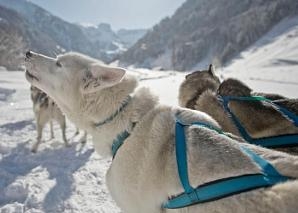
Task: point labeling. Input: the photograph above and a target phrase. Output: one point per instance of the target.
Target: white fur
(144, 173)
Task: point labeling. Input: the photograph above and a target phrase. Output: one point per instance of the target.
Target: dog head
(195, 84)
(233, 87)
(70, 77)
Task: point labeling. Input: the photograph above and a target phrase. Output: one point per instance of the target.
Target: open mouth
(30, 76)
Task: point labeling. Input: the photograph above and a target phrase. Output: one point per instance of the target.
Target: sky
(130, 14)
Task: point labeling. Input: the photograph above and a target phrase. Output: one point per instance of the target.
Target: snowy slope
(59, 179)
(271, 64)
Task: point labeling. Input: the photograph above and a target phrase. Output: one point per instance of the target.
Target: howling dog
(128, 124)
(201, 91)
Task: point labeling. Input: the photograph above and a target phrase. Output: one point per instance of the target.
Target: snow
(59, 179)
(85, 24)
(60, 48)
(271, 65)
(163, 83)
(120, 48)
(56, 179)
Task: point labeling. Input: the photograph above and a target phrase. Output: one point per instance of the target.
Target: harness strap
(119, 140)
(218, 189)
(293, 117)
(181, 154)
(270, 142)
(121, 137)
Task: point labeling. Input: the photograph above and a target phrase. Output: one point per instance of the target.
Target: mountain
(112, 42)
(130, 37)
(271, 63)
(64, 36)
(27, 26)
(16, 36)
(204, 31)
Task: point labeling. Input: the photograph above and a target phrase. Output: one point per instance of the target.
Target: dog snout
(29, 54)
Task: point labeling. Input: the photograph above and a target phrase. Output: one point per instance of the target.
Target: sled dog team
(176, 159)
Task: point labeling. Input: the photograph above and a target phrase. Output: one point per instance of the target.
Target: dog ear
(211, 70)
(99, 77)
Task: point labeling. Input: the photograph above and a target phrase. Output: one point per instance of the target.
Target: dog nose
(28, 54)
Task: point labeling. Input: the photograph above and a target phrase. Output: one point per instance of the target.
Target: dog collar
(121, 137)
(109, 119)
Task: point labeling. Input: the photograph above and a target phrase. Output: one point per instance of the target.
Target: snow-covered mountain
(271, 63)
(25, 25)
(65, 36)
(202, 31)
(114, 43)
(130, 37)
(59, 179)
(17, 35)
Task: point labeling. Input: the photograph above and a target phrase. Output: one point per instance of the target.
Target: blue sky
(119, 13)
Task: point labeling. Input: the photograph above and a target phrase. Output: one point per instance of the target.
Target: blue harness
(287, 140)
(218, 189)
(214, 190)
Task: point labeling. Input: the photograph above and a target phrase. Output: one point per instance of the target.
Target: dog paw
(34, 151)
(34, 148)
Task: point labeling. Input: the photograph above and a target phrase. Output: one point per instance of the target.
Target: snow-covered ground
(56, 179)
(59, 179)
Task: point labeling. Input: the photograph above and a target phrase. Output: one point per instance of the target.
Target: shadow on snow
(60, 164)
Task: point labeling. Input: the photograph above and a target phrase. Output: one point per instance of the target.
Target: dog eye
(58, 64)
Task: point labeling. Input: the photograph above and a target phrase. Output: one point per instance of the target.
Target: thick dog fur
(45, 110)
(144, 172)
(259, 119)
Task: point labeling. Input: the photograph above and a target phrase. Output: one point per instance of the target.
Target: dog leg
(62, 123)
(83, 139)
(77, 131)
(39, 135)
(52, 130)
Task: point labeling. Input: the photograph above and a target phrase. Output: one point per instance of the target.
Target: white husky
(143, 175)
